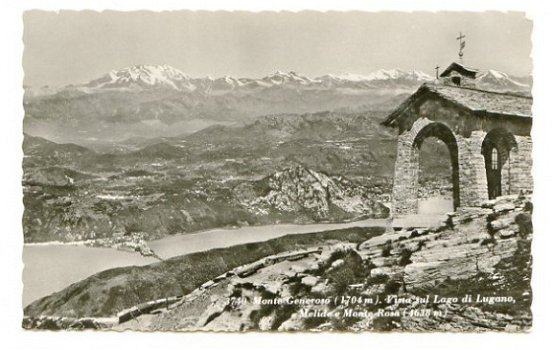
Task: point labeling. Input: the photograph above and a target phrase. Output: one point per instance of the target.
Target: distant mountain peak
(493, 79)
(153, 76)
(292, 77)
(395, 74)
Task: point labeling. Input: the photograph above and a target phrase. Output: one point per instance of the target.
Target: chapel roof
(458, 67)
(481, 102)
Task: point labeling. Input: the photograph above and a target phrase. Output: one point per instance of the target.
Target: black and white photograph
(276, 171)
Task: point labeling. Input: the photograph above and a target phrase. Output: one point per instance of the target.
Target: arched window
(494, 159)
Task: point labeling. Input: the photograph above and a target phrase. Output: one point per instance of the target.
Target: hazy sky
(73, 47)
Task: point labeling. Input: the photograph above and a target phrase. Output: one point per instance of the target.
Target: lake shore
(46, 264)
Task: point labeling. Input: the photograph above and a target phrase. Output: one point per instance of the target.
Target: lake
(219, 238)
(50, 268)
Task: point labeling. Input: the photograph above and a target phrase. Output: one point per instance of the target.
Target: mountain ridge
(162, 101)
(144, 76)
(165, 76)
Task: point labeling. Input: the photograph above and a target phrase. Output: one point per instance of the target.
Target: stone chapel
(487, 133)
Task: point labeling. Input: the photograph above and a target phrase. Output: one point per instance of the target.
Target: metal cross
(460, 38)
(437, 72)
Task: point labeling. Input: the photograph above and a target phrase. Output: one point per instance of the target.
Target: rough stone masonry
(487, 134)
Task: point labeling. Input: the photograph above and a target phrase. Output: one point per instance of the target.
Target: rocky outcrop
(57, 323)
(477, 239)
(305, 192)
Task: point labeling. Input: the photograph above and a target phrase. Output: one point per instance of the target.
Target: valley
(199, 181)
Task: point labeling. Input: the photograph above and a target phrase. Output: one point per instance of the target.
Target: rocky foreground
(472, 273)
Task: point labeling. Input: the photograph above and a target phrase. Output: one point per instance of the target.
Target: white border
(11, 77)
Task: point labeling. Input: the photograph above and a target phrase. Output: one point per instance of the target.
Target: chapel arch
(497, 148)
(443, 133)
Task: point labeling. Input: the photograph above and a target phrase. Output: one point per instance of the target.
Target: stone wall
(473, 176)
(405, 183)
(520, 167)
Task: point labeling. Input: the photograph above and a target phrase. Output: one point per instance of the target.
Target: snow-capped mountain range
(148, 101)
(167, 77)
